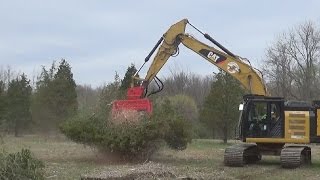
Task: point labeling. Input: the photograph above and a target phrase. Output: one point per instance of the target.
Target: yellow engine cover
(297, 126)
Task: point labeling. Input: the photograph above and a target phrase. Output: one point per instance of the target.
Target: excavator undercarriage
(291, 156)
(294, 156)
(241, 154)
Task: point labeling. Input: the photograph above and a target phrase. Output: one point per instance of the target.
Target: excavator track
(295, 156)
(240, 154)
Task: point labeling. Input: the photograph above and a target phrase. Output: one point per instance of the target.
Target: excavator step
(240, 154)
(295, 156)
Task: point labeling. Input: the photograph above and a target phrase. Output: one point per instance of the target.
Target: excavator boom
(169, 43)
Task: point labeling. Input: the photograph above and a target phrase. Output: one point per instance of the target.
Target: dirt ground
(203, 159)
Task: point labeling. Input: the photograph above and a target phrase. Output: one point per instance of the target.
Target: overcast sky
(100, 37)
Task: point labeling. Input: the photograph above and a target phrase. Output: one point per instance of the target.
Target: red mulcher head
(133, 102)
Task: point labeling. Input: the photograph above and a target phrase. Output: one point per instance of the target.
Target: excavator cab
(262, 117)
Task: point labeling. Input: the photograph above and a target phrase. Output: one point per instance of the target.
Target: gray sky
(100, 37)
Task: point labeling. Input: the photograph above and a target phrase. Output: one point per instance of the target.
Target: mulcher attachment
(134, 102)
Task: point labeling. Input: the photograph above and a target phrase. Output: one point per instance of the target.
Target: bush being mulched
(134, 137)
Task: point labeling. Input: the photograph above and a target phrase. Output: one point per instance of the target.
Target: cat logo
(213, 56)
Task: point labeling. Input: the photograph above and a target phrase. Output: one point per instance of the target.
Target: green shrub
(20, 165)
(131, 140)
(178, 130)
(185, 106)
(179, 134)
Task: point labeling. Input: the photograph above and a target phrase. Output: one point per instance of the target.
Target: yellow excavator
(267, 125)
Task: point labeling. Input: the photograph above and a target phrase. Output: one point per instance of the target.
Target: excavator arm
(169, 43)
(249, 77)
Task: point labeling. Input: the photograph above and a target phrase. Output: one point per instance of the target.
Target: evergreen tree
(45, 77)
(109, 93)
(127, 79)
(220, 110)
(19, 101)
(64, 92)
(3, 105)
(55, 98)
(42, 111)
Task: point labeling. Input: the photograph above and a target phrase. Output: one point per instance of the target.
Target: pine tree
(109, 93)
(3, 104)
(42, 111)
(19, 101)
(220, 110)
(127, 79)
(55, 98)
(65, 103)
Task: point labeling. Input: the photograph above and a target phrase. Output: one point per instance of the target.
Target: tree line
(25, 108)
(291, 70)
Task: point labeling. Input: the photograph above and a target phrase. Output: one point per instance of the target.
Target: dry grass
(203, 159)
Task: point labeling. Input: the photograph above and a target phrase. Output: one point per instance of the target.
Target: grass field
(203, 159)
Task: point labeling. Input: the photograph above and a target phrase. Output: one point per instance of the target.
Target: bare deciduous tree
(6, 75)
(292, 64)
(188, 83)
